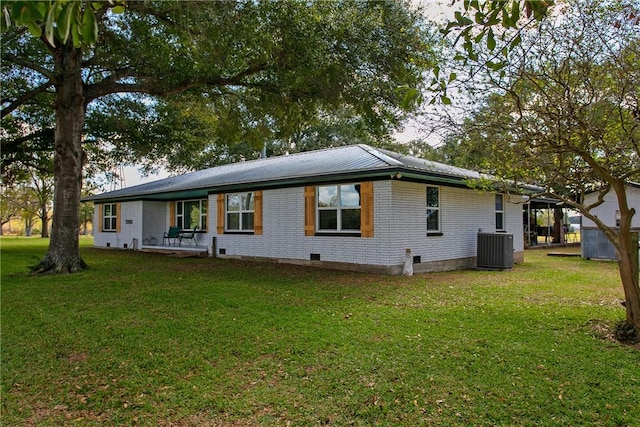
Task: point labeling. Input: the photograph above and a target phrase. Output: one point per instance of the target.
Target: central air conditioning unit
(495, 251)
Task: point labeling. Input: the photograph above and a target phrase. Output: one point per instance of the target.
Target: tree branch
(28, 64)
(25, 97)
(151, 86)
(630, 174)
(11, 35)
(14, 144)
(585, 210)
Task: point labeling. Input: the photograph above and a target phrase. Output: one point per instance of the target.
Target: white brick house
(351, 207)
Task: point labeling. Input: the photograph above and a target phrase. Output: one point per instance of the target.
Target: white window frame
(202, 220)
(110, 221)
(499, 211)
(242, 210)
(435, 209)
(339, 208)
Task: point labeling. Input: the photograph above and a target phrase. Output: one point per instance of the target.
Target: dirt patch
(602, 330)
(77, 357)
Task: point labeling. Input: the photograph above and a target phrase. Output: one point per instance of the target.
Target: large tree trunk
(63, 255)
(628, 265)
(28, 226)
(44, 217)
(558, 224)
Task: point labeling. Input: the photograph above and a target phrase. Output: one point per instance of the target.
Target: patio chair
(172, 236)
(189, 236)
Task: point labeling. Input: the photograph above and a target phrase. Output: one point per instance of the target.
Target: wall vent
(495, 250)
(314, 257)
(417, 259)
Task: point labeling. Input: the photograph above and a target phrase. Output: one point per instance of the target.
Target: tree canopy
(249, 69)
(276, 97)
(564, 113)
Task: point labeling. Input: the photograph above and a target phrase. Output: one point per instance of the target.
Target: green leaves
(5, 19)
(511, 20)
(58, 20)
(409, 97)
(27, 14)
(461, 20)
(89, 27)
(491, 41)
(488, 15)
(64, 21)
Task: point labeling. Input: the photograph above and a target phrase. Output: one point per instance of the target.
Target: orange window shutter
(257, 212)
(100, 218)
(366, 209)
(172, 214)
(220, 213)
(118, 216)
(309, 210)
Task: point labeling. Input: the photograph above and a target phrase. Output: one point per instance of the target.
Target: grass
(152, 340)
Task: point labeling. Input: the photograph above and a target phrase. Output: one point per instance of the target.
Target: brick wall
(399, 223)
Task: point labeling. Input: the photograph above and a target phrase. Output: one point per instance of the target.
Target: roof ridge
(380, 155)
(426, 162)
(261, 159)
(297, 154)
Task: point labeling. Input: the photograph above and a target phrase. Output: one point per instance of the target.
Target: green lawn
(142, 339)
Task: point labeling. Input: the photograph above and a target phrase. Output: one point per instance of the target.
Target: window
(191, 213)
(433, 209)
(335, 208)
(338, 208)
(110, 217)
(499, 212)
(239, 212)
